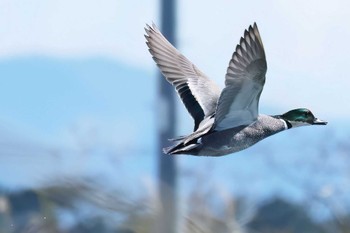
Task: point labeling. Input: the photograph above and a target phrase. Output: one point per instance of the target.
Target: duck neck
(286, 123)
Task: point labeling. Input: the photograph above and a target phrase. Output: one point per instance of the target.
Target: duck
(225, 120)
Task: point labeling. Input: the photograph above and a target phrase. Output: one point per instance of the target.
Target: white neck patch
(298, 123)
(284, 123)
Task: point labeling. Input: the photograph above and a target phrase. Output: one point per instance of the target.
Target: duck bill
(319, 122)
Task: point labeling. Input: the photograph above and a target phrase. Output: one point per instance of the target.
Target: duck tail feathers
(170, 149)
(167, 150)
(177, 139)
(180, 149)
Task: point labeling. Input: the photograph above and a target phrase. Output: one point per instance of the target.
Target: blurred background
(80, 114)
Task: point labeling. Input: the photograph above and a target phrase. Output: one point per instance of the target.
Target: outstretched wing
(198, 93)
(245, 79)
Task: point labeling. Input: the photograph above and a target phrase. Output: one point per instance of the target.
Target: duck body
(219, 143)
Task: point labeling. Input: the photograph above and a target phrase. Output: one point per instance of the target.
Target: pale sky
(305, 41)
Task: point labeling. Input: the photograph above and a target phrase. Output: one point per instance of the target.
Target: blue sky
(304, 41)
(78, 74)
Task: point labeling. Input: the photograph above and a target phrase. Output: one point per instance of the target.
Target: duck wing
(198, 93)
(245, 79)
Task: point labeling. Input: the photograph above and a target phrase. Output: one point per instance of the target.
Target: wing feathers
(245, 78)
(198, 93)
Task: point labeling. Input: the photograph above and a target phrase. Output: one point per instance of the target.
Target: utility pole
(166, 223)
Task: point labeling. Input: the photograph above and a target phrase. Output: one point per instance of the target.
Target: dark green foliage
(283, 217)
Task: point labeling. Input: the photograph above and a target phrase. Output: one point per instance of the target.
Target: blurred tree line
(84, 205)
(81, 206)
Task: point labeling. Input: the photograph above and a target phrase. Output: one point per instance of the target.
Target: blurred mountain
(47, 94)
(58, 116)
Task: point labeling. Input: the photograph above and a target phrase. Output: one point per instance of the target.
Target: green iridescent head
(301, 116)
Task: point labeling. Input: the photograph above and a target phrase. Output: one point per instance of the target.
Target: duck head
(301, 117)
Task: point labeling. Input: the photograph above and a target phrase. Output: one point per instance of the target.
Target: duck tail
(177, 139)
(180, 149)
(170, 149)
(167, 150)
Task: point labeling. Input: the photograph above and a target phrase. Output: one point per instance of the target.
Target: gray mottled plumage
(226, 121)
